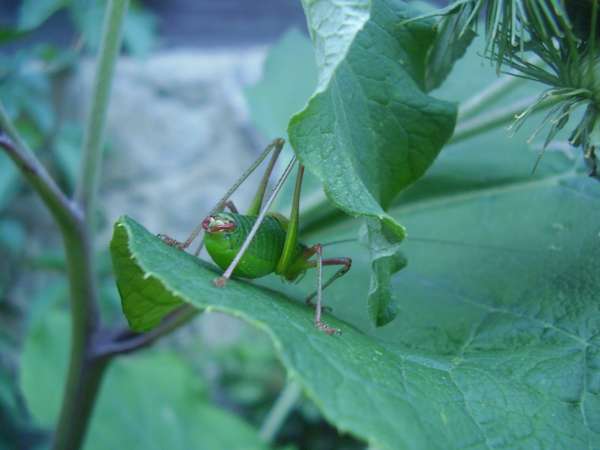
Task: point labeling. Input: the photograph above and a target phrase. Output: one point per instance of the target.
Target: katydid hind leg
(343, 261)
(287, 257)
(231, 206)
(319, 306)
(257, 202)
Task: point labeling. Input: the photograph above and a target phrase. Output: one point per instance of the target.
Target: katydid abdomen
(226, 232)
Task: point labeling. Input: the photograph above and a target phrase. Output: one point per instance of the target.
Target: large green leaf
(150, 401)
(370, 130)
(333, 370)
(497, 342)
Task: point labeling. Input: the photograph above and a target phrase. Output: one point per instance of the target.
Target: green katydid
(259, 243)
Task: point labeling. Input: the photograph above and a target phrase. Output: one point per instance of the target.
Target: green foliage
(471, 348)
(87, 15)
(554, 42)
(496, 340)
(386, 260)
(35, 12)
(370, 130)
(32, 76)
(386, 102)
(151, 401)
(15, 425)
(496, 343)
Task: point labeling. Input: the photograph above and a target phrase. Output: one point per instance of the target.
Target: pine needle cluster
(554, 42)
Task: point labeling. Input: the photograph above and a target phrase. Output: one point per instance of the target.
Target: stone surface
(179, 135)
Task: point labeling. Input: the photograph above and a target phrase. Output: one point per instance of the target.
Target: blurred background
(187, 115)
(202, 86)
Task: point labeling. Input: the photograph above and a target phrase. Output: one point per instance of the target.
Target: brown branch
(126, 341)
(64, 211)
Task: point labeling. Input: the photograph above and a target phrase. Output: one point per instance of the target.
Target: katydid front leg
(183, 245)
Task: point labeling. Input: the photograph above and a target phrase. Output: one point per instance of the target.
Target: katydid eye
(215, 224)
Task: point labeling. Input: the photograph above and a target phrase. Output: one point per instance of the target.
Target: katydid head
(219, 223)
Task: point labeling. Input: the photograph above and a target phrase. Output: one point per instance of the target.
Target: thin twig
(496, 118)
(482, 100)
(280, 411)
(63, 210)
(126, 341)
(85, 372)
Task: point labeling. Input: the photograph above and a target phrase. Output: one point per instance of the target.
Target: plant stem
(126, 341)
(62, 209)
(85, 372)
(485, 97)
(320, 212)
(496, 118)
(96, 122)
(281, 409)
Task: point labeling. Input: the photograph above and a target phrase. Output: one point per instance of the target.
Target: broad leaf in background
(370, 130)
(289, 78)
(139, 31)
(9, 181)
(152, 401)
(489, 332)
(35, 12)
(16, 429)
(498, 341)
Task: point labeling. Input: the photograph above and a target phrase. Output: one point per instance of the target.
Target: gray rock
(179, 135)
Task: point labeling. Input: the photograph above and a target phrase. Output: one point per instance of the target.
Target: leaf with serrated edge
(497, 344)
(342, 374)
